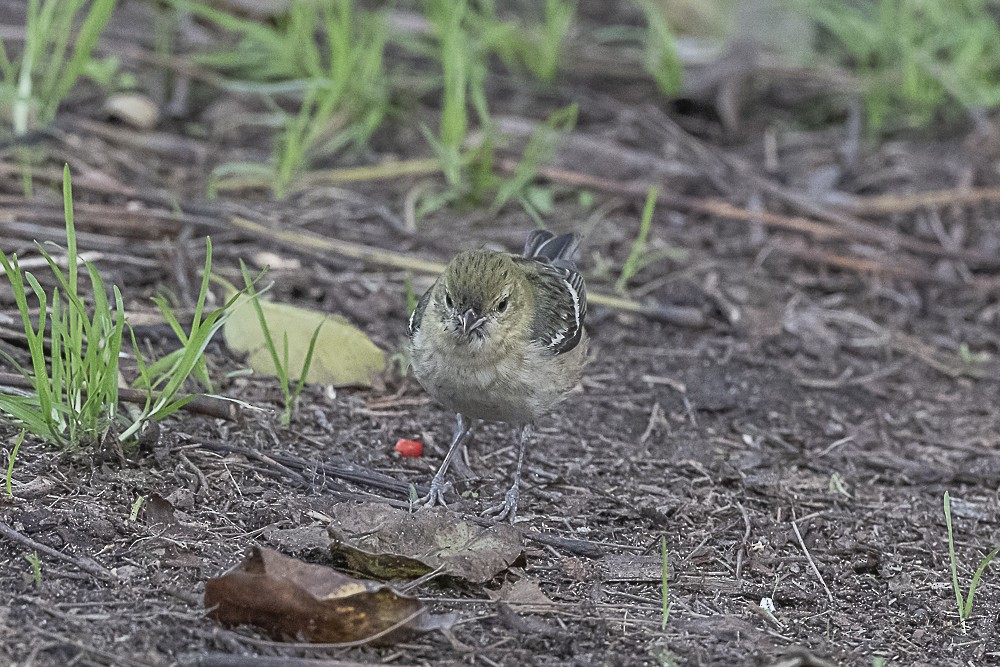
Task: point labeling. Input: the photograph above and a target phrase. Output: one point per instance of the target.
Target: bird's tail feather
(543, 244)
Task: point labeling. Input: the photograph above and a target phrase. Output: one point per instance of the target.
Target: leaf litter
(292, 600)
(390, 543)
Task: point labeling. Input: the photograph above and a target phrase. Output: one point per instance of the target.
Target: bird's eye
(447, 300)
(502, 306)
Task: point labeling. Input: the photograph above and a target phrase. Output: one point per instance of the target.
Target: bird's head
(480, 294)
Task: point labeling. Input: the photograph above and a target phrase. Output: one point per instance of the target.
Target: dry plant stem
(285, 463)
(861, 265)
(83, 563)
(886, 204)
(202, 405)
(237, 660)
(142, 224)
(745, 545)
(112, 658)
(812, 563)
(856, 228)
(845, 229)
(299, 240)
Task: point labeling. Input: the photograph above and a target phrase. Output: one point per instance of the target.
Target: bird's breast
(479, 383)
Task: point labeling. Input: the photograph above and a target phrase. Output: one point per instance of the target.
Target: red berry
(409, 448)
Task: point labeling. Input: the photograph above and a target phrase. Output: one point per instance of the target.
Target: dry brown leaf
(293, 600)
(522, 595)
(390, 543)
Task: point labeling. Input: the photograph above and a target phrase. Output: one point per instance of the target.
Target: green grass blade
(10, 463)
(90, 31)
(975, 581)
(954, 561)
(631, 266)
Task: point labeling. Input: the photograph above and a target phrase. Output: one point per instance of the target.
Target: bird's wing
(559, 290)
(417, 316)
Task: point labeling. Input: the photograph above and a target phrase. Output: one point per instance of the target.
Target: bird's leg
(508, 508)
(439, 486)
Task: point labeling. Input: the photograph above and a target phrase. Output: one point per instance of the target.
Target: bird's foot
(507, 510)
(439, 487)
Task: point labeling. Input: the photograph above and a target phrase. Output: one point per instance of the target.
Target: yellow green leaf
(344, 355)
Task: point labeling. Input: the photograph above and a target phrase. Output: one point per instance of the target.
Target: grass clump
(660, 58)
(164, 380)
(963, 601)
(463, 85)
(916, 60)
(330, 56)
(53, 58)
(535, 46)
(75, 396)
(75, 374)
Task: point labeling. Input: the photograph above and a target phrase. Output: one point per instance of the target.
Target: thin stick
(203, 405)
(856, 230)
(809, 558)
(112, 658)
(84, 563)
(744, 545)
(231, 660)
(890, 203)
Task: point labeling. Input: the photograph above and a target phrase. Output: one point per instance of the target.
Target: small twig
(886, 204)
(680, 388)
(847, 229)
(113, 658)
(742, 553)
(86, 564)
(241, 660)
(655, 416)
(203, 405)
(812, 563)
(573, 546)
(287, 465)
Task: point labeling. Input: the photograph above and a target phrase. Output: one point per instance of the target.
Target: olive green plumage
(501, 337)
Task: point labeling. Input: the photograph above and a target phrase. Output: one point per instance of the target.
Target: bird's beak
(471, 321)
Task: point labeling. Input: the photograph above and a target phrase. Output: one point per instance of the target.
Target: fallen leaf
(293, 600)
(158, 511)
(390, 543)
(522, 595)
(297, 540)
(343, 356)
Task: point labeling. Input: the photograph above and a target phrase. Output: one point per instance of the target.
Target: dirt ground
(790, 426)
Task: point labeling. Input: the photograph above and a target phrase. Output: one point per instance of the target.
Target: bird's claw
(439, 487)
(507, 510)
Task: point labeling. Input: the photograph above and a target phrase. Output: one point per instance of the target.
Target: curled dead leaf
(390, 543)
(293, 600)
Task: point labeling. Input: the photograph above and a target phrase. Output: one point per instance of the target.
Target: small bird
(500, 337)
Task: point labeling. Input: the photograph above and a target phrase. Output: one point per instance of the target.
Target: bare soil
(791, 439)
